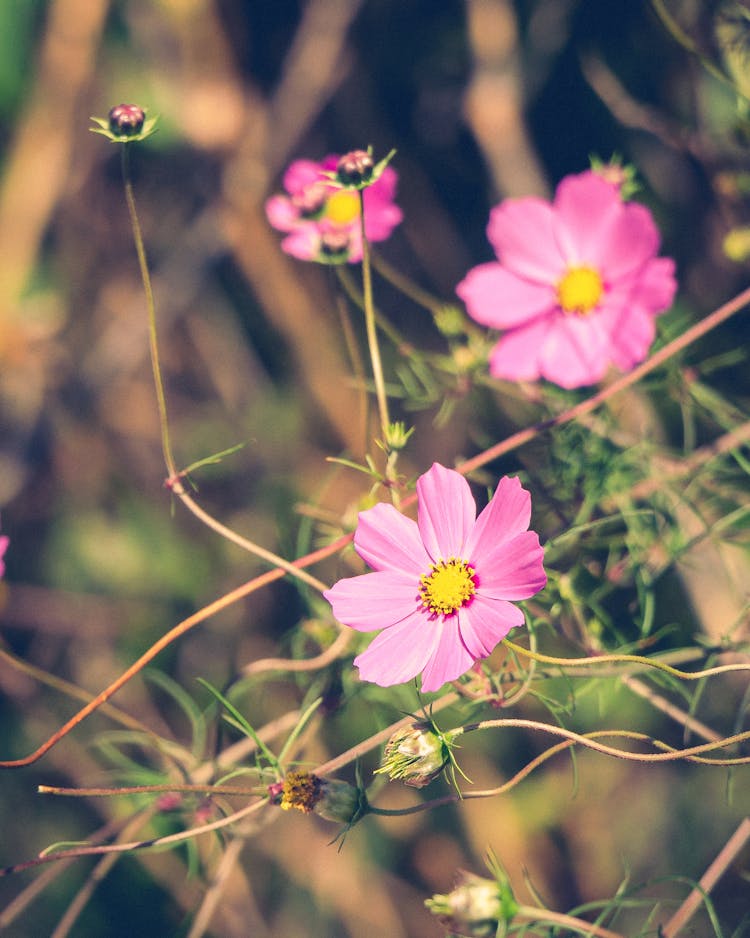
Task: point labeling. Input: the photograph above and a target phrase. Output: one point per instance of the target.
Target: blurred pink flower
(443, 587)
(4, 541)
(576, 286)
(322, 219)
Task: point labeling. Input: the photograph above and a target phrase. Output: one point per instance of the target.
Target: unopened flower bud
(331, 798)
(355, 168)
(475, 907)
(335, 244)
(415, 754)
(126, 120)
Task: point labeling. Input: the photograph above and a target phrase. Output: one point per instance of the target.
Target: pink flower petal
(300, 174)
(632, 339)
(303, 242)
(506, 514)
(499, 299)
(630, 241)
(522, 233)
(585, 208)
(374, 600)
(511, 569)
(655, 286)
(4, 541)
(387, 540)
(576, 351)
(516, 357)
(450, 658)
(399, 653)
(446, 512)
(486, 622)
(281, 213)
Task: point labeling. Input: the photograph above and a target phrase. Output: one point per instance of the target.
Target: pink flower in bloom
(322, 219)
(443, 587)
(4, 541)
(576, 286)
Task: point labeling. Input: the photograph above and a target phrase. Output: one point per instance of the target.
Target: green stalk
(372, 335)
(153, 340)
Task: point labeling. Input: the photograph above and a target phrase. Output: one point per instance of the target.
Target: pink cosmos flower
(576, 287)
(322, 219)
(443, 587)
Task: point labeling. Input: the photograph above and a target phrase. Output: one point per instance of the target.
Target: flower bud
(474, 908)
(415, 754)
(355, 168)
(335, 244)
(126, 120)
(331, 798)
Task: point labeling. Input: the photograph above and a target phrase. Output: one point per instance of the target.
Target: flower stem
(626, 659)
(152, 336)
(174, 477)
(372, 335)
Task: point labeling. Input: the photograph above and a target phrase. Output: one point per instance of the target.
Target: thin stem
(568, 921)
(240, 791)
(625, 659)
(701, 328)
(709, 879)
(176, 632)
(372, 334)
(151, 308)
(419, 296)
(174, 477)
(670, 755)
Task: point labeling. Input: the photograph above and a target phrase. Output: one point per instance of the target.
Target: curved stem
(625, 659)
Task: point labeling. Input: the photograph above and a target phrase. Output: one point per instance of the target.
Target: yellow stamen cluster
(448, 586)
(342, 208)
(580, 290)
(302, 790)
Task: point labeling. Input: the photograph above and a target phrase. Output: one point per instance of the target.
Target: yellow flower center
(342, 207)
(301, 791)
(449, 586)
(580, 290)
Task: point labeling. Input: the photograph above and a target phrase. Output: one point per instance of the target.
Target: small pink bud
(354, 168)
(126, 120)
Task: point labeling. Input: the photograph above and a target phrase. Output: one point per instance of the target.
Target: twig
(709, 879)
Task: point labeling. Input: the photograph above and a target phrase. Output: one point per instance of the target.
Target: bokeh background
(482, 99)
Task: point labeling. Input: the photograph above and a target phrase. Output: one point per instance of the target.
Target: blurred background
(482, 99)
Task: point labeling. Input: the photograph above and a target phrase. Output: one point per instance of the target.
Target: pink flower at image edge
(576, 286)
(442, 588)
(322, 220)
(4, 541)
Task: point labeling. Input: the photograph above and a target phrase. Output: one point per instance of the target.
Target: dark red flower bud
(126, 120)
(354, 168)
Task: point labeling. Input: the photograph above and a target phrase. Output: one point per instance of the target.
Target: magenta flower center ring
(580, 290)
(450, 585)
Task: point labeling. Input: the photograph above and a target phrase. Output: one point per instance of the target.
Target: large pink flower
(322, 219)
(443, 587)
(577, 285)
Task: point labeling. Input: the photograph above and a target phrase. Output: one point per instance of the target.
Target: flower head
(416, 754)
(576, 286)
(443, 587)
(476, 907)
(125, 123)
(322, 219)
(331, 798)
